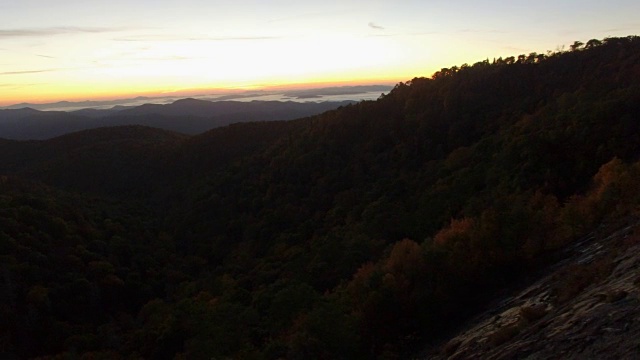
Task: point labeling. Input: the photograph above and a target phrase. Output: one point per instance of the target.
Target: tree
(576, 45)
(593, 43)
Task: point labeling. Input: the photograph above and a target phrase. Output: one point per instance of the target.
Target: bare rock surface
(585, 307)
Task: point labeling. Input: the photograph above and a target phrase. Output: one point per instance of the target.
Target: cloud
(45, 56)
(50, 31)
(427, 33)
(375, 26)
(406, 34)
(194, 38)
(237, 38)
(481, 31)
(27, 72)
(16, 86)
(625, 27)
(38, 71)
(310, 15)
(514, 49)
(167, 58)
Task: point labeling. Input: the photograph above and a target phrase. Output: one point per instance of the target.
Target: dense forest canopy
(359, 233)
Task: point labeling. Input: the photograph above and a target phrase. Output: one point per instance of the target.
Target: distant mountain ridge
(322, 94)
(188, 116)
(65, 104)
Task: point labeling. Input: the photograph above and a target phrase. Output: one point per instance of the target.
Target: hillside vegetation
(363, 232)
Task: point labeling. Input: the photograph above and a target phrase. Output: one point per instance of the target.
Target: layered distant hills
(188, 116)
(371, 231)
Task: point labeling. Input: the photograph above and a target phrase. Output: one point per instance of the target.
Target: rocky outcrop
(585, 307)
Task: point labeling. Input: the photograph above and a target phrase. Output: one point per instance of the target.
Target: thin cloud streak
(375, 26)
(475, 31)
(16, 86)
(407, 34)
(128, 57)
(311, 15)
(623, 28)
(51, 31)
(425, 33)
(166, 58)
(26, 72)
(39, 71)
(190, 38)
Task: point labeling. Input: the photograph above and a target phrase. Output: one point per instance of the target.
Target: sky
(105, 49)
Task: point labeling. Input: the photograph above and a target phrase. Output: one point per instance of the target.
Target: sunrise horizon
(100, 50)
(87, 96)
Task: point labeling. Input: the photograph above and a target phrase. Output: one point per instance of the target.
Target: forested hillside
(364, 232)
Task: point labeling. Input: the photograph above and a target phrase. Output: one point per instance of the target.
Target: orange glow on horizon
(77, 93)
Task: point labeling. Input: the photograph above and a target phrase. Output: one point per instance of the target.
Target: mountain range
(188, 116)
(356, 92)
